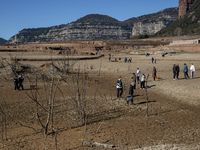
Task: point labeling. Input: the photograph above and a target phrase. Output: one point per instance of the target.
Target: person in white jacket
(142, 82)
(192, 69)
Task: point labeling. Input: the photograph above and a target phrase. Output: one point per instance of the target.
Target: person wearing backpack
(119, 87)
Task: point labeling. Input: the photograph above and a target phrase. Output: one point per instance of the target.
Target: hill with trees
(99, 27)
(188, 25)
(2, 41)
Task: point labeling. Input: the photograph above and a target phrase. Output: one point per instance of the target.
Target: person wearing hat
(119, 87)
(131, 88)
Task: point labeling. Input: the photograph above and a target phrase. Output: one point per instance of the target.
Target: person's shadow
(151, 86)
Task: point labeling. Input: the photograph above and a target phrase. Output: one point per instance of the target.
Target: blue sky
(16, 15)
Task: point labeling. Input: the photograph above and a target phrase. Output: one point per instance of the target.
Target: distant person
(192, 69)
(177, 71)
(119, 59)
(138, 75)
(134, 79)
(125, 59)
(119, 87)
(155, 60)
(131, 91)
(154, 74)
(129, 60)
(142, 86)
(21, 80)
(174, 72)
(109, 57)
(152, 59)
(16, 82)
(185, 71)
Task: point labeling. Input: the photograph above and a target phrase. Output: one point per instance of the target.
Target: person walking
(177, 71)
(143, 82)
(185, 71)
(109, 57)
(152, 59)
(155, 60)
(138, 75)
(192, 69)
(119, 87)
(131, 91)
(16, 81)
(21, 79)
(125, 59)
(154, 74)
(134, 79)
(174, 72)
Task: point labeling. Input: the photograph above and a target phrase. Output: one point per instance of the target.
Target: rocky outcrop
(184, 6)
(147, 28)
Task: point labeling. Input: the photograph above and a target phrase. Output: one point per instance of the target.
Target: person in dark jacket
(119, 87)
(154, 74)
(152, 59)
(185, 71)
(174, 72)
(21, 79)
(134, 79)
(177, 71)
(131, 88)
(16, 81)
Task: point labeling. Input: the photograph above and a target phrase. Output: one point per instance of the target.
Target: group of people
(125, 59)
(18, 82)
(176, 71)
(135, 77)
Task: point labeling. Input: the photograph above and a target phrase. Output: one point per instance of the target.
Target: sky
(16, 15)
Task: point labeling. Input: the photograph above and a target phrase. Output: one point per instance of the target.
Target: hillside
(100, 27)
(2, 41)
(188, 25)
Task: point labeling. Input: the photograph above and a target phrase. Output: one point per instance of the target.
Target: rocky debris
(99, 144)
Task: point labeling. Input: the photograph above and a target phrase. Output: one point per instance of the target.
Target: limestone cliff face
(184, 6)
(147, 28)
(73, 31)
(155, 22)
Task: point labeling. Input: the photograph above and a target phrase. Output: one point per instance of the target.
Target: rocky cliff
(188, 25)
(99, 27)
(184, 6)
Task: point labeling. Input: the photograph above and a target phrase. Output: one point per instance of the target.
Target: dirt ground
(173, 120)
